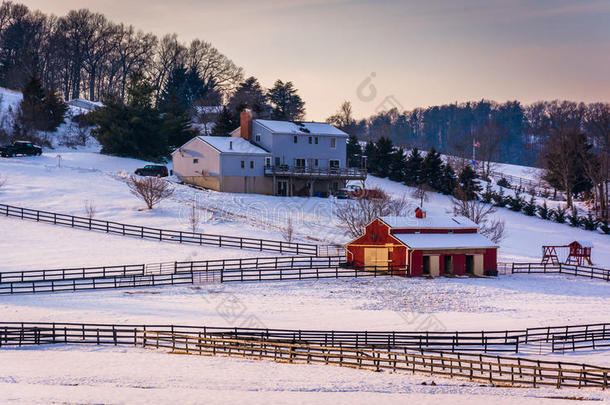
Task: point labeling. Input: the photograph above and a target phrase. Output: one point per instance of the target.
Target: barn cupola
(419, 213)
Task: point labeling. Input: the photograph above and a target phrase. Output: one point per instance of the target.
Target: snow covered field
(84, 374)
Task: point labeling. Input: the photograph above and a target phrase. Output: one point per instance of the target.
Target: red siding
(459, 264)
(417, 263)
(490, 261)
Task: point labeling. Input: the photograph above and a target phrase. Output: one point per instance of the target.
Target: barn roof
(445, 240)
(430, 222)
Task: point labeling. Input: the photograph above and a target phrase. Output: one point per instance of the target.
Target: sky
(380, 54)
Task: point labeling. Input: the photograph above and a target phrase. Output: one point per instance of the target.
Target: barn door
(478, 265)
(376, 257)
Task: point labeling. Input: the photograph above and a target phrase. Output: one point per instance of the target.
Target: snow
(117, 375)
(436, 221)
(79, 374)
(229, 145)
(444, 241)
(312, 128)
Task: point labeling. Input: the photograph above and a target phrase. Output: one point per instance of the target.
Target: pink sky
(421, 52)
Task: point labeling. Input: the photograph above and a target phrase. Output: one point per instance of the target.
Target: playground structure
(577, 252)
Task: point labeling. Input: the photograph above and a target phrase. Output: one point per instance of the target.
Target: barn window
(310, 140)
(195, 161)
(316, 140)
(243, 164)
(252, 164)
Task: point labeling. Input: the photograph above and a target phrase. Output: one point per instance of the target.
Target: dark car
(152, 170)
(20, 148)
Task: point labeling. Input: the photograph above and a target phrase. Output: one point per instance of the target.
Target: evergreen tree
(287, 104)
(529, 208)
(225, 123)
(249, 94)
(544, 212)
(488, 194)
(354, 151)
(174, 106)
(431, 169)
(468, 187)
(39, 110)
(397, 165)
(448, 180)
(133, 129)
(54, 110)
(559, 215)
(370, 152)
(384, 149)
(516, 202)
(573, 218)
(499, 199)
(413, 169)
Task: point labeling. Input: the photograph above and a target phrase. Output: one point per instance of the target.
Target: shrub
(573, 218)
(559, 215)
(529, 208)
(151, 190)
(503, 183)
(590, 223)
(604, 227)
(499, 199)
(544, 212)
(516, 203)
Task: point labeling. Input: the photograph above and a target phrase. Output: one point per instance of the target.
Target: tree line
(83, 54)
(570, 140)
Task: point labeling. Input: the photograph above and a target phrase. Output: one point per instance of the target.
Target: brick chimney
(246, 124)
(419, 213)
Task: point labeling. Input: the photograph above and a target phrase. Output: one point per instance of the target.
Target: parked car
(152, 171)
(342, 195)
(24, 148)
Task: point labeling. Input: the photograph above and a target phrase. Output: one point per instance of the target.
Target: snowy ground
(140, 376)
(85, 374)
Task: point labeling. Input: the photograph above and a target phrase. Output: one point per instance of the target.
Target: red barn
(439, 245)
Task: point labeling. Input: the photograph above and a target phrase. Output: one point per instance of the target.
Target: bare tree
(480, 213)
(151, 190)
(90, 209)
(354, 215)
(489, 136)
(422, 193)
(287, 231)
(194, 217)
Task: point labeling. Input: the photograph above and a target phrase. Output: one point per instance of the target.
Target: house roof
(228, 144)
(430, 222)
(301, 128)
(445, 240)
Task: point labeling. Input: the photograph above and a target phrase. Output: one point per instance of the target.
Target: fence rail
(562, 268)
(474, 367)
(30, 333)
(159, 234)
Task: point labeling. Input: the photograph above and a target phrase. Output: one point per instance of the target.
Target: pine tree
(370, 152)
(55, 110)
(488, 194)
(573, 218)
(384, 149)
(225, 123)
(174, 106)
(397, 165)
(39, 110)
(431, 169)
(413, 169)
(448, 180)
(354, 151)
(529, 208)
(468, 186)
(544, 212)
(499, 199)
(287, 104)
(132, 129)
(516, 202)
(250, 94)
(559, 215)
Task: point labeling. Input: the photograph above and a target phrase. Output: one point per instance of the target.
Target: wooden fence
(562, 268)
(496, 370)
(144, 232)
(28, 333)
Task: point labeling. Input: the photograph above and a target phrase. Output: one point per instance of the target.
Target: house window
(252, 164)
(316, 140)
(296, 139)
(315, 162)
(333, 142)
(310, 140)
(299, 162)
(268, 162)
(195, 161)
(243, 164)
(277, 161)
(258, 138)
(333, 164)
